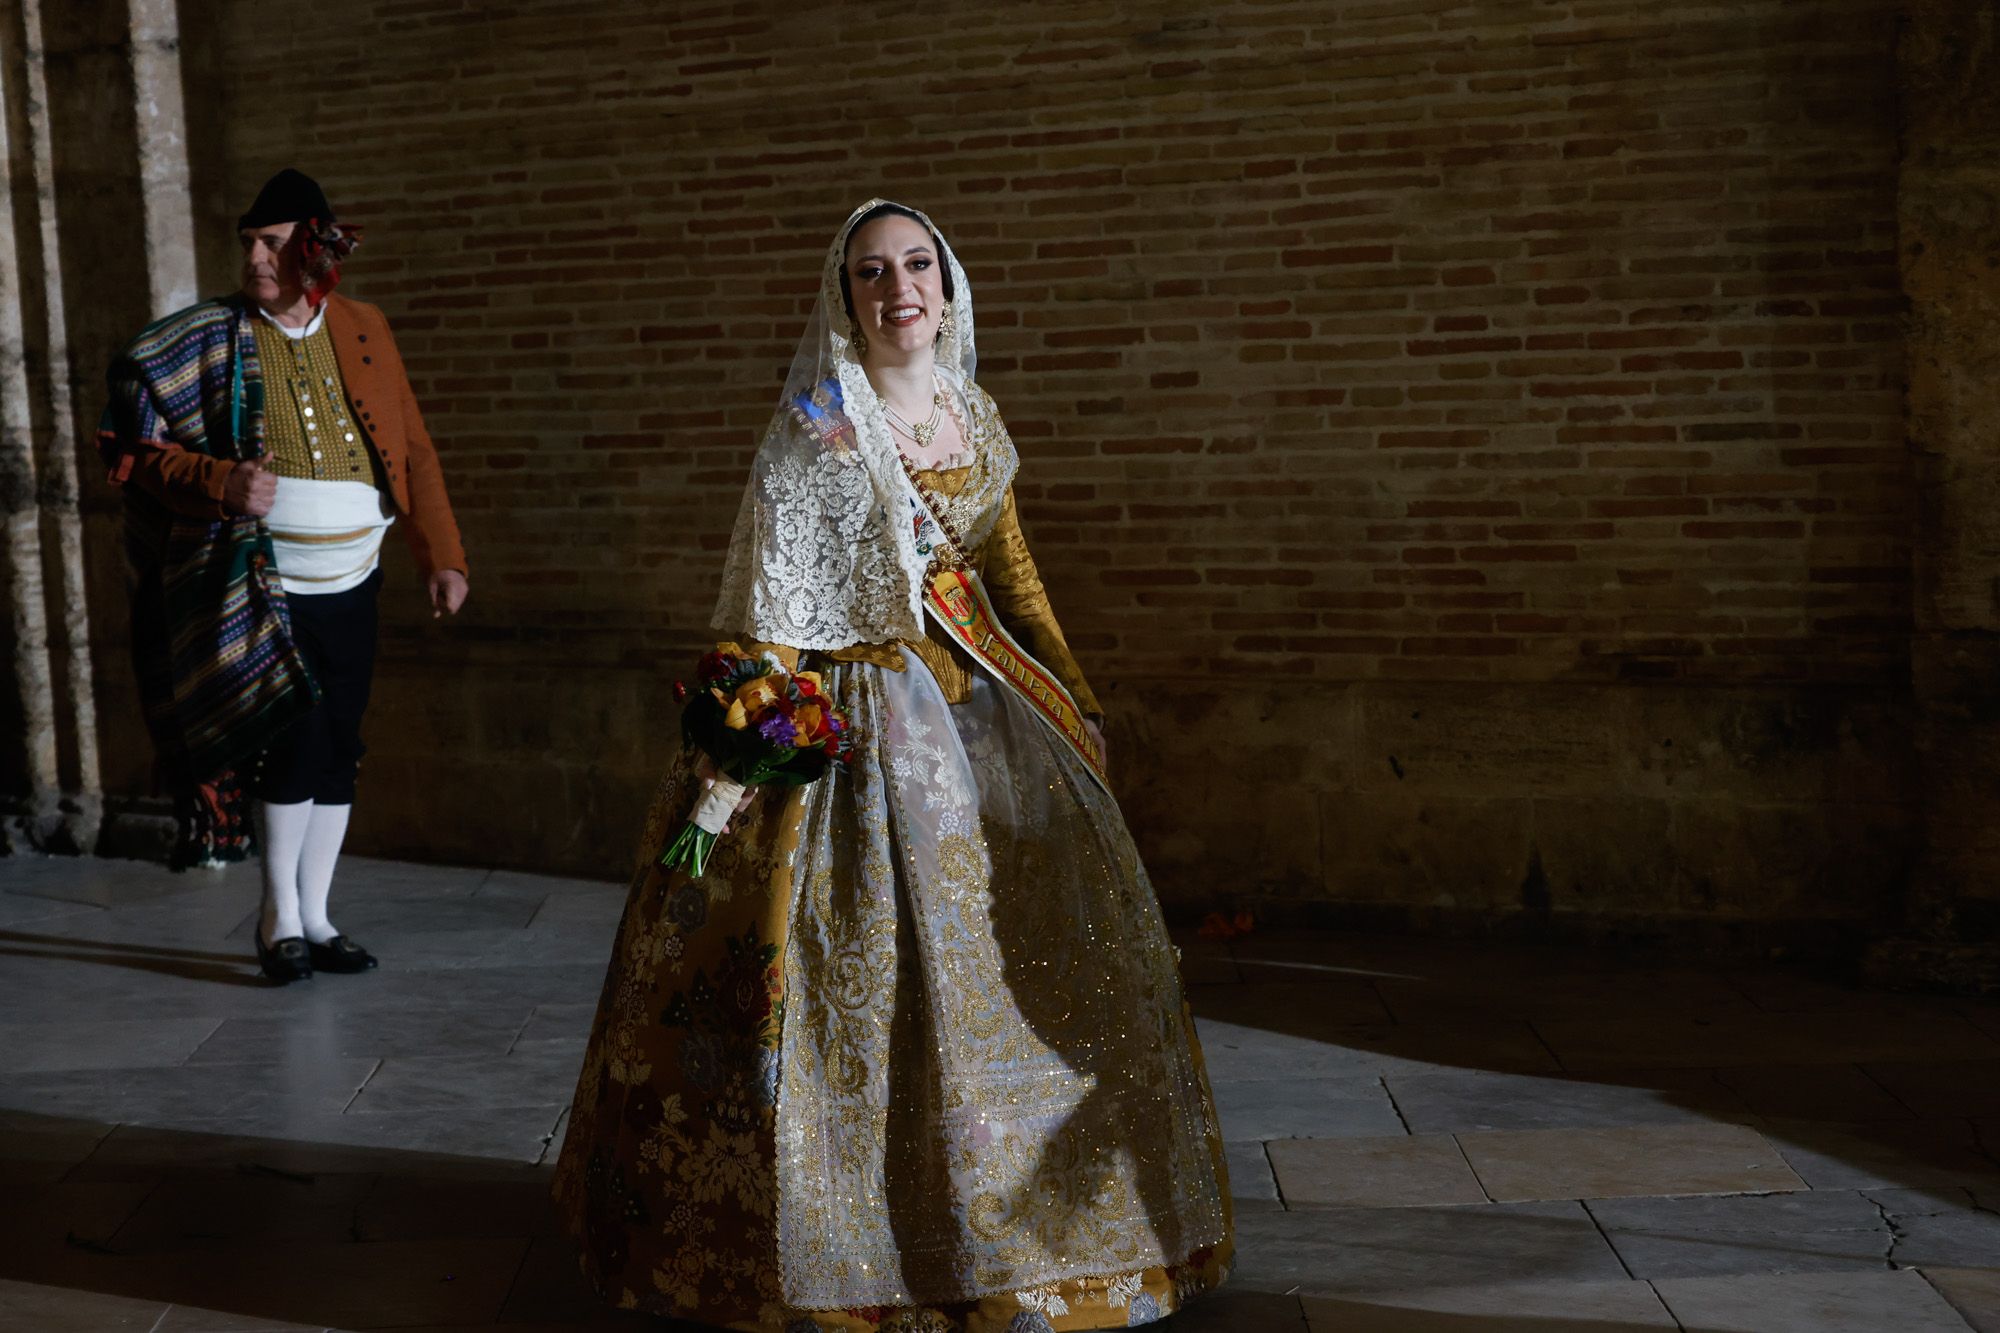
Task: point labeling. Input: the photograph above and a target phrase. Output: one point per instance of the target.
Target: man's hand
(448, 589)
(1097, 740)
(249, 489)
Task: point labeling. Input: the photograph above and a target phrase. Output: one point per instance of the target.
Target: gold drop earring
(857, 337)
(947, 322)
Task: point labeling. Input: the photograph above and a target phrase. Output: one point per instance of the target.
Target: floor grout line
(1394, 1105)
(1665, 1309)
(1587, 1212)
(374, 1069)
(1264, 1146)
(1458, 1142)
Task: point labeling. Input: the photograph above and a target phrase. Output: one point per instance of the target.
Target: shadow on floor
(224, 969)
(314, 1235)
(1857, 1090)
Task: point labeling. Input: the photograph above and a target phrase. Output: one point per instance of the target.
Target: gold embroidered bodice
(308, 429)
(1013, 585)
(976, 504)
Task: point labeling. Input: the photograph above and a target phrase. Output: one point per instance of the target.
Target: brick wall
(1440, 411)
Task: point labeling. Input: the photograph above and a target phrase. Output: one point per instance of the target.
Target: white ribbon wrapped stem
(718, 805)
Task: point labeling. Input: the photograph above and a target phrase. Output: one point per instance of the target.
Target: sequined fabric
(912, 1055)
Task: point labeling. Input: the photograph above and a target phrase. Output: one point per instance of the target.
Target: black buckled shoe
(285, 961)
(340, 954)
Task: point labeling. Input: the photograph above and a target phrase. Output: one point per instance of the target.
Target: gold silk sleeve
(1014, 586)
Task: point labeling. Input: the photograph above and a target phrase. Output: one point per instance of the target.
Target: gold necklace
(924, 431)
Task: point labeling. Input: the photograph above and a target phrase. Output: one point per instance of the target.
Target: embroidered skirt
(912, 1056)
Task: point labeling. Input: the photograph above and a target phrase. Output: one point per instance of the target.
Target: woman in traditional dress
(911, 1056)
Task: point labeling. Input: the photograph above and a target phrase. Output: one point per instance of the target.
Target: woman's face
(895, 277)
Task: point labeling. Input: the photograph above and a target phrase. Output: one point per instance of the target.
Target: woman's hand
(1098, 743)
(706, 770)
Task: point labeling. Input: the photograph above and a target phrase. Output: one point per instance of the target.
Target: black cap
(289, 196)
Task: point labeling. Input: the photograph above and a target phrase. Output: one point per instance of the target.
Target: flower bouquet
(760, 725)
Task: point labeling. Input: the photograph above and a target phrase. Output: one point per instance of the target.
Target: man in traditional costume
(264, 443)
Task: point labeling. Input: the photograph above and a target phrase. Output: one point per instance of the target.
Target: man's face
(272, 265)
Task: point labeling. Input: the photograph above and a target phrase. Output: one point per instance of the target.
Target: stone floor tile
(1973, 1292)
(1941, 1227)
(1811, 1092)
(1563, 993)
(103, 882)
(32, 913)
(188, 1319)
(1208, 969)
(1982, 1014)
(44, 1148)
(1588, 1044)
(1306, 1108)
(49, 1309)
(527, 884)
(1799, 990)
(1462, 1100)
(566, 1024)
(213, 1210)
(402, 985)
(1244, 1052)
(1516, 1307)
(550, 1289)
(1232, 1310)
(1943, 1088)
(283, 1086)
(49, 1212)
(1884, 1154)
(1373, 1172)
(385, 914)
(331, 1034)
(358, 877)
(164, 926)
(531, 1076)
(1307, 1007)
(466, 1143)
(1252, 1184)
(541, 945)
(1802, 1231)
(1605, 1163)
(1341, 1251)
(408, 1203)
(1821, 1302)
(101, 978)
(85, 1043)
(374, 1285)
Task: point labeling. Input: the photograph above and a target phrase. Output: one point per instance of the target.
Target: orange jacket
(378, 391)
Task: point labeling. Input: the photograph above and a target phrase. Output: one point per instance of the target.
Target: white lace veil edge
(822, 555)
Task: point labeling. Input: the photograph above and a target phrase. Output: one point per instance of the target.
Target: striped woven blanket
(219, 674)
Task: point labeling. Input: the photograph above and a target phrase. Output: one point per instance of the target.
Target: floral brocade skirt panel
(911, 1056)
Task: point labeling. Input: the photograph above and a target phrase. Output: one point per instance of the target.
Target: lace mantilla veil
(824, 553)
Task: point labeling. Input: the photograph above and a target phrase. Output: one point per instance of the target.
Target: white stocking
(324, 834)
(284, 836)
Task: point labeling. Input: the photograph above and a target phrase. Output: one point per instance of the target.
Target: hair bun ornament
(324, 247)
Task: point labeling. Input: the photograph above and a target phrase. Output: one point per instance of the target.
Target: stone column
(97, 239)
(1949, 227)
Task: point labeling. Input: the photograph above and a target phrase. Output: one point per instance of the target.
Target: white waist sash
(326, 535)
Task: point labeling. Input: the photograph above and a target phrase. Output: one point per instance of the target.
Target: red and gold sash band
(959, 604)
